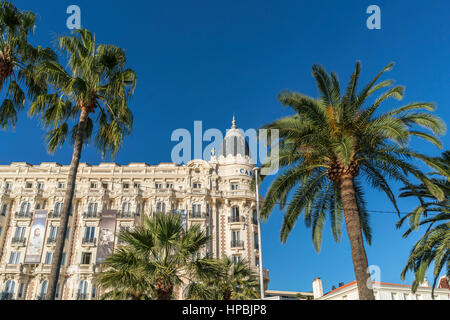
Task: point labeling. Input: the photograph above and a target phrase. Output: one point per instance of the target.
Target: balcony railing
(51, 240)
(23, 215)
(82, 296)
(127, 215)
(236, 219)
(18, 241)
(88, 241)
(197, 215)
(54, 215)
(237, 244)
(6, 296)
(91, 215)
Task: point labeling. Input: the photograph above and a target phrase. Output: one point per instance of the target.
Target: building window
(1, 228)
(234, 186)
(9, 289)
(61, 185)
(196, 209)
(126, 208)
(104, 185)
(44, 289)
(53, 234)
(126, 185)
(19, 235)
(4, 209)
(82, 290)
(94, 185)
(197, 185)
(28, 185)
(236, 259)
(235, 214)
(8, 185)
(256, 241)
(158, 185)
(14, 257)
(92, 209)
(25, 207)
(21, 286)
(63, 259)
(40, 185)
(86, 258)
(257, 261)
(169, 186)
(58, 288)
(137, 185)
(48, 258)
(89, 233)
(58, 208)
(160, 207)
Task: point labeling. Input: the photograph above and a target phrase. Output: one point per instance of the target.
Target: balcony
(88, 241)
(19, 241)
(82, 296)
(23, 215)
(127, 215)
(91, 215)
(236, 219)
(54, 215)
(237, 244)
(239, 194)
(194, 215)
(51, 241)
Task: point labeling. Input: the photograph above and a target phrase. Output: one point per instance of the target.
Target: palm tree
(18, 61)
(231, 281)
(97, 82)
(434, 246)
(331, 143)
(156, 257)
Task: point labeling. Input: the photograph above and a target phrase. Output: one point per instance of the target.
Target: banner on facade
(36, 242)
(106, 235)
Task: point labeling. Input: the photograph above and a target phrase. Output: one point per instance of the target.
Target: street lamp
(261, 278)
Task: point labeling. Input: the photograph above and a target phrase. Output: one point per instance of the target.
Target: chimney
(341, 284)
(317, 288)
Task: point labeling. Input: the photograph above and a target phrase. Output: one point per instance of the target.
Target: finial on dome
(233, 123)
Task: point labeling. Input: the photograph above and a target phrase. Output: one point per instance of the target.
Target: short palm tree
(97, 83)
(434, 246)
(156, 257)
(230, 281)
(18, 61)
(335, 142)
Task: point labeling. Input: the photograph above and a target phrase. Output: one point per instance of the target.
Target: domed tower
(234, 148)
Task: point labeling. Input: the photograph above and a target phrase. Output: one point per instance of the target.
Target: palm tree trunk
(59, 246)
(353, 224)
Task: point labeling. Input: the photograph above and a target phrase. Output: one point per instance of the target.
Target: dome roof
(234, 143)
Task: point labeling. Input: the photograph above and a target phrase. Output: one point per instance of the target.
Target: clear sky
(204, 60)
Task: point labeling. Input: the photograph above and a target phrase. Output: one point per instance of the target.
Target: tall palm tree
(231, 281)
(18, 61)
(156, 257)
(335, 141)
(434, 246)
(97, 83)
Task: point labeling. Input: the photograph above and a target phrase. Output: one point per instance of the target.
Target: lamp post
(261, 277)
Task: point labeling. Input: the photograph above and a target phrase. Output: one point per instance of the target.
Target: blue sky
(204, 60)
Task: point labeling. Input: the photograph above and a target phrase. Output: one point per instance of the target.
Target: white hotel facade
(216, 194)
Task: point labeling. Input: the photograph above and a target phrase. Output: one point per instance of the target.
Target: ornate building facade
(216, 194)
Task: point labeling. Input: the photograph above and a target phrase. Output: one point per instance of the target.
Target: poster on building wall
(36, 241)
(106, 237)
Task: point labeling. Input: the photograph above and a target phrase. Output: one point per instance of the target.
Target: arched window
(82, 290)
(44, 289)
(9, 289)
